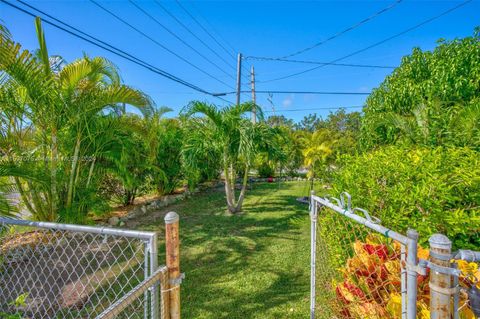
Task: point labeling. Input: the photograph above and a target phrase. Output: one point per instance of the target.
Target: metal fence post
(173, 262)
(146, 273)
(313, 250)
(412, 261)
(440, 283)
(154, 296)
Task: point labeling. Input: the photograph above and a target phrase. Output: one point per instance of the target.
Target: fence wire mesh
(467, 301)
(124, 305)
(359, 271)
(362, 269)
(51, 273)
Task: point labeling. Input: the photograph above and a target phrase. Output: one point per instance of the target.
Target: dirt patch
(64, 274)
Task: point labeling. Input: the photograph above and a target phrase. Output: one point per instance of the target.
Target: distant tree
(280, 120)
(317, 150)
(341, 121)
(308, 123)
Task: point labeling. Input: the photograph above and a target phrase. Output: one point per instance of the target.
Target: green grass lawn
(254, 265)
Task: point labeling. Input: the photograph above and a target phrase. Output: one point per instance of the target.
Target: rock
(153, 205)
(122, 223)
(133, 213)
(113, 221)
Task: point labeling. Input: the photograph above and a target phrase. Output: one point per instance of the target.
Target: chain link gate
(50, 270)
(362, 265)
(369, 271)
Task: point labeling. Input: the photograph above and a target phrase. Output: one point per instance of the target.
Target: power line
(316, 109)
(259, 58)
(101, 44)
(377, 43)
(206, 31)
(157, 43)
(296, 92)
(213, 29)
(178, 38)
(193, 34)
(338, 34)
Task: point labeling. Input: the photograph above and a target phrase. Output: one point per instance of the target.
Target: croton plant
(371, 282)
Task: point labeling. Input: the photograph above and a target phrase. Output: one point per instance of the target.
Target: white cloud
(288, 101)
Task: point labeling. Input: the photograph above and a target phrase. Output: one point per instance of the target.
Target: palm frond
(208, 110)
(43, 52)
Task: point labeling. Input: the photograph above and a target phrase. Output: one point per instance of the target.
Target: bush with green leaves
(265, 169)
(169, 146)
(432, 98)
(428, 189)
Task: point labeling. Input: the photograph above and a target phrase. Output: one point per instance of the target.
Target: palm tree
(8, 187)
(227, 134)
(317, 148)
(54, 107)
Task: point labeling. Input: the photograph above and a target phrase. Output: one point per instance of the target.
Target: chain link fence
(466, 303)
(50, 270)
(361, 269)
(361, 264)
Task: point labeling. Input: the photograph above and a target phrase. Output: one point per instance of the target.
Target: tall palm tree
(58, 106)
(231, 136)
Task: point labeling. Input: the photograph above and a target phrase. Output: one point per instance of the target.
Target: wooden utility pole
(254, 98)
(239, 77)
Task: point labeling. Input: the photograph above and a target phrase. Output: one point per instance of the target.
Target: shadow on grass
(253, 265)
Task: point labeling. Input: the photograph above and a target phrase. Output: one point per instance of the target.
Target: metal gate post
(440, 282)
(313, 251)
(412, 261)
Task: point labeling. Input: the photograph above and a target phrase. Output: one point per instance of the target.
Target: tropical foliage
(432, 98)
(226, 134)
(431, 190)
(371, 282)
(52, 120)
(69, 148)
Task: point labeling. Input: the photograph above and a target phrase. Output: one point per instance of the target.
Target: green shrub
(265, 170)
(431, 190)
(432, 98)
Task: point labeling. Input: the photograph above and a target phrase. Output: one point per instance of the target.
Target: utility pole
(254, 98)
(239, 77)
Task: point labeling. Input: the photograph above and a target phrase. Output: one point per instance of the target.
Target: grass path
(255, 265)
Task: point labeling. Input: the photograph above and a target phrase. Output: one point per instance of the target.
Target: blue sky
(255, 28)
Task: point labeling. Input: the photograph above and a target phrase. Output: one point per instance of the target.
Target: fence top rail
(361, 220)
(144, 235)
(467, 255)
(116, 308)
